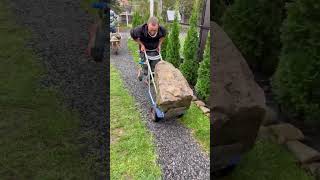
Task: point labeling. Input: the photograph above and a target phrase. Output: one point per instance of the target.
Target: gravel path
(60, 36)
(179, 155)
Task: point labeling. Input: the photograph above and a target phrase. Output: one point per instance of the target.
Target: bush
(219, 7)
(136, 19)
(203, 82)
(189, 67)
(254, 26)
(296, 82)
(173, 47)
(164, 45)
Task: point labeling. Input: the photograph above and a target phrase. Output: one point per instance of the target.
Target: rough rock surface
(302, 152)
(236, 102)
(173, 90)
(286, 132)
(270, 117)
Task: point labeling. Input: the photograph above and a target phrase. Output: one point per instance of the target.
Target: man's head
(153, 26)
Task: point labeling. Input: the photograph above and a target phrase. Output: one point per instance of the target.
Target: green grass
(38, 135)
(133, 48)
(132, 153)
(199, 123)
(268, 161)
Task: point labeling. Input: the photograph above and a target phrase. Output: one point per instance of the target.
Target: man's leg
(142, 59)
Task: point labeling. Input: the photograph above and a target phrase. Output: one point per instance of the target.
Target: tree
(219, 7)
(173, 48)
(203, 82)
(165, 41)
(254, 26)
(136, 19)
(115, 6)
(186, 8)
(142, 9)
(189, 67)
(167, 5)
(296, 82)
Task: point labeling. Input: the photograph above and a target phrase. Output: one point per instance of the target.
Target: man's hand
(142, 48)
(159, 48)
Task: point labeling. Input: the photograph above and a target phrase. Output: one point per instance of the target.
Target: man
(149, 36)
(113, 21)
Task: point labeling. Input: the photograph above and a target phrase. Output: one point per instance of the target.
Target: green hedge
(203, 82)
(297, 79)
(254, 26)
(136, 19)
(219, 7)
(189, 67)
(173, 46)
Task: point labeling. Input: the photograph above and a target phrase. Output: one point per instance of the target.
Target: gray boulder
(174, 94)
(236, 102)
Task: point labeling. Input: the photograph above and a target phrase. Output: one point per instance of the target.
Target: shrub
(136, 19)
(254, 26)
(189, 67)
(164, 43)
(164, 46)
(296, 82)
(203, 82)
(173, 47)
(219, 7)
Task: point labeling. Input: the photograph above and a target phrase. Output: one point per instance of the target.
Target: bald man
(149, 36)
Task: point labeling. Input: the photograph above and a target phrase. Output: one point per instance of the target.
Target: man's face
(153, 29)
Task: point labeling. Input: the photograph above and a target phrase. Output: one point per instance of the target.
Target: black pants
(152, 62)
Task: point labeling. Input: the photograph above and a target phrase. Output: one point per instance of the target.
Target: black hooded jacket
(141, 32)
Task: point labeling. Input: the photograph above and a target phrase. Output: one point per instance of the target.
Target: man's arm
(135, 34)
(142, 47)
(160, 43)
(138, 41)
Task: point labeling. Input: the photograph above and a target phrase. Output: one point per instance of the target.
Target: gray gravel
(180, 156)
(60, 36)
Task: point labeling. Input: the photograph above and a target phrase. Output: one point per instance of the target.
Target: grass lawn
(133, 48)
(38, 135)
(132, 153)
(268, 161)
(199, 123)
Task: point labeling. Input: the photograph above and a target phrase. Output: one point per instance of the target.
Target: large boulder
(236, 101)
(174, 94)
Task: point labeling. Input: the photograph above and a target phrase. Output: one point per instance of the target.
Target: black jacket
(141, 32)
